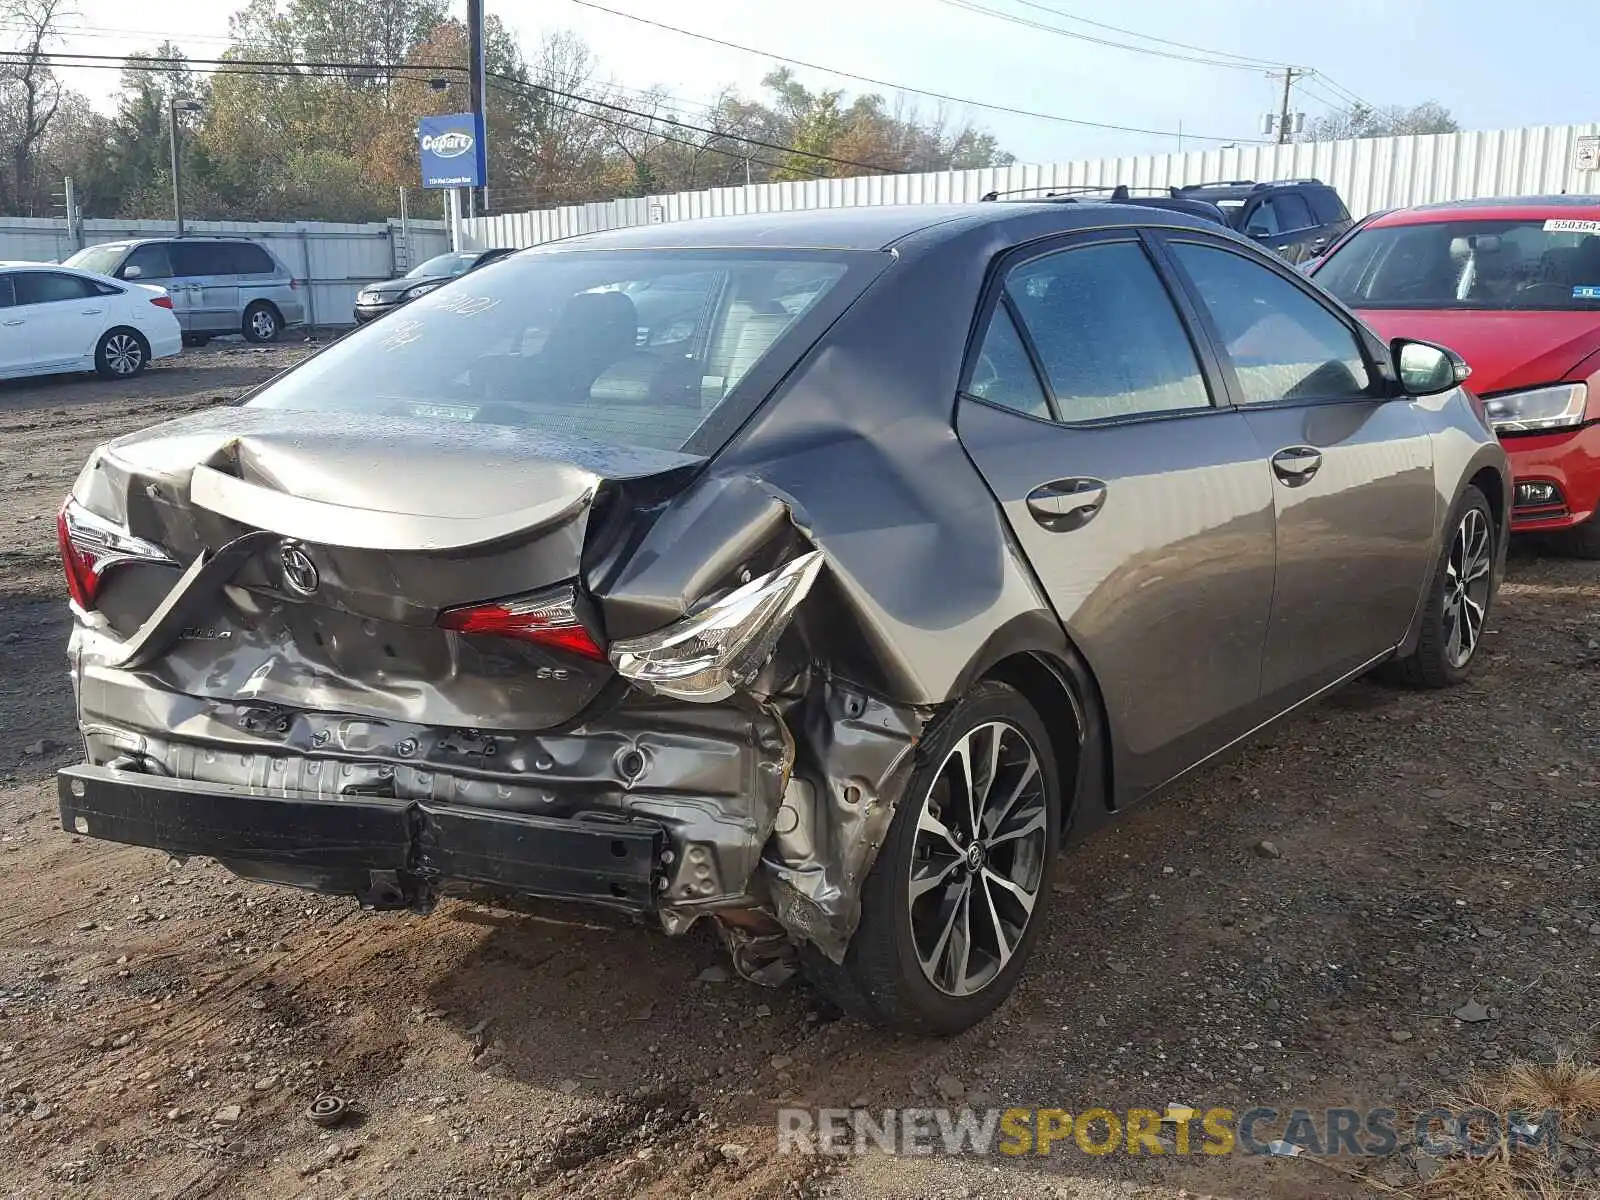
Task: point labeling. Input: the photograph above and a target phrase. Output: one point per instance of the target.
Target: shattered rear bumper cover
(390, 852)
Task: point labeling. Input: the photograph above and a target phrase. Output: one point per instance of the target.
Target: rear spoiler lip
(370, 529)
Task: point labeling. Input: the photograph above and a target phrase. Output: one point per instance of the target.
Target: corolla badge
(299, 572)
(448, 145)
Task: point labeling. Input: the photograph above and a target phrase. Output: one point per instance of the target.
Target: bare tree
(30, 93)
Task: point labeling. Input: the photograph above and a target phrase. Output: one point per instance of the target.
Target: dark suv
(1298, 218)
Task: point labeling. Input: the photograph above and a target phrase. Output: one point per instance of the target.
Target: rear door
(1351, 471)
(205, 271)
(63, 317)
(1141, 500)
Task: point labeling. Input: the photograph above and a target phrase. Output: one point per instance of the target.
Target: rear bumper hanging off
(369, 845)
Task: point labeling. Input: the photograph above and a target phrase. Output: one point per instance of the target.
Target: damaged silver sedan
(813, 573)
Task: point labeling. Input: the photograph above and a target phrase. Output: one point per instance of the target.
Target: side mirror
(132, 272)
(1425, 369)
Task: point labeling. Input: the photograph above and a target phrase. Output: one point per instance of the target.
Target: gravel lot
(162, 1031)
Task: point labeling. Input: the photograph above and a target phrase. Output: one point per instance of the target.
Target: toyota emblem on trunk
(299, 572)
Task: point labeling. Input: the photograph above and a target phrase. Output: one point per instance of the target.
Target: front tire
(956, 899)
(261, 323)
(122, 354)
(1458, 602)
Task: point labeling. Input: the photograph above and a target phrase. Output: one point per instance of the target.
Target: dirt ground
(162, 1031)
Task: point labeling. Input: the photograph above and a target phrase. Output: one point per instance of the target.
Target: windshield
(441, 264)
(628, 347)
(102, 260)
(1512, 265)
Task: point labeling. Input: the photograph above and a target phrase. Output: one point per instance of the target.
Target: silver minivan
(218, 284)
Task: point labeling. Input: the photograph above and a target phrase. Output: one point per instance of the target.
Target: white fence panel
(1370, 174)
(331, 260)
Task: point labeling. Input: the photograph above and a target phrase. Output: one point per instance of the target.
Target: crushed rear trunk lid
(359, 532)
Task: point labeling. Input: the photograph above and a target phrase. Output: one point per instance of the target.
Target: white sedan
(56, 319)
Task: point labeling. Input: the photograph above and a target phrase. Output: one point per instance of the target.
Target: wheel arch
(1031, 654)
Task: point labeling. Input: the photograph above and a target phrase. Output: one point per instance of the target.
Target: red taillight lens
(78, 563)
(161, 301)
(91, 546)
(545, 620)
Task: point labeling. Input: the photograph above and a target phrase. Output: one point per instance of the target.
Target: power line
(356, 70)
(1149, 37)
(901, 87)
(1030, 23)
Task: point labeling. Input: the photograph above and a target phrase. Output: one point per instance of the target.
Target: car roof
(29, 265)
(867, 227)
(1492, 208)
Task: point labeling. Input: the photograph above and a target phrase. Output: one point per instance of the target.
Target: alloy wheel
(978, 859)
(264, 324)
(1466, 587)
(124, 355)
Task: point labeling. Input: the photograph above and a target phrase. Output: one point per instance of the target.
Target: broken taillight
(548, 620)
(92, 545)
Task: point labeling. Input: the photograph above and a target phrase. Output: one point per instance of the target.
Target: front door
(1351, 471)
(1142, 506)
(205, 270)
(151, 263)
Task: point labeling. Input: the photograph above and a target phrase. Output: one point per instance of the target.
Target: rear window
(1326, 206)
(1538, 264)
(632, 348)
(246, 258)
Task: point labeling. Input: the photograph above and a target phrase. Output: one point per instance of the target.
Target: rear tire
(1459, 600)
(196, 340)
(122, 353)
(948, 919)
(261, 323)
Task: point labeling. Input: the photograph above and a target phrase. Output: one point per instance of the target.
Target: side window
(246, 258)
(1262, 221)
(8, 291)
(1003, 373)
(200, 258)
(46, 287)
(151, 259)
(1326, 206)
(1107, 334)
(1293, 212)
(1284, 344)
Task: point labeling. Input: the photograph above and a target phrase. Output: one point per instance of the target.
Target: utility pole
(1285, 118)
(475, 81)
(174, 107)
(69, 196)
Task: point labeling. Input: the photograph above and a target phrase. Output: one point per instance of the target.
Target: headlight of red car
(1551, 407)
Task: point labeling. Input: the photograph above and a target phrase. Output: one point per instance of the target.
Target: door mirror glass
(1426, 369)
(132, 272)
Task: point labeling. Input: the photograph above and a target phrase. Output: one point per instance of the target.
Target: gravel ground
(162, 1031)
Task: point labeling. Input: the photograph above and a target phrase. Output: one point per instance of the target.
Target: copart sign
(453, 151)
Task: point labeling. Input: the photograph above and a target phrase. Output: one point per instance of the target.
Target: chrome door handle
(93, 312)
(1064, 504)
(1296, 464)
(14, 322)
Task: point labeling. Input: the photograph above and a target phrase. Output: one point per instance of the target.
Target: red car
(1513, 286)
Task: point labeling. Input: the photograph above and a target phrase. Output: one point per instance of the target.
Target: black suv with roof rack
(1298, 218)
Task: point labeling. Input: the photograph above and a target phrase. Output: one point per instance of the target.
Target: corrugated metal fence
(335, 258)
(1370, 173)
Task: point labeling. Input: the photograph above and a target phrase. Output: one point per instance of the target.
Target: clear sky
(1494, 65)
